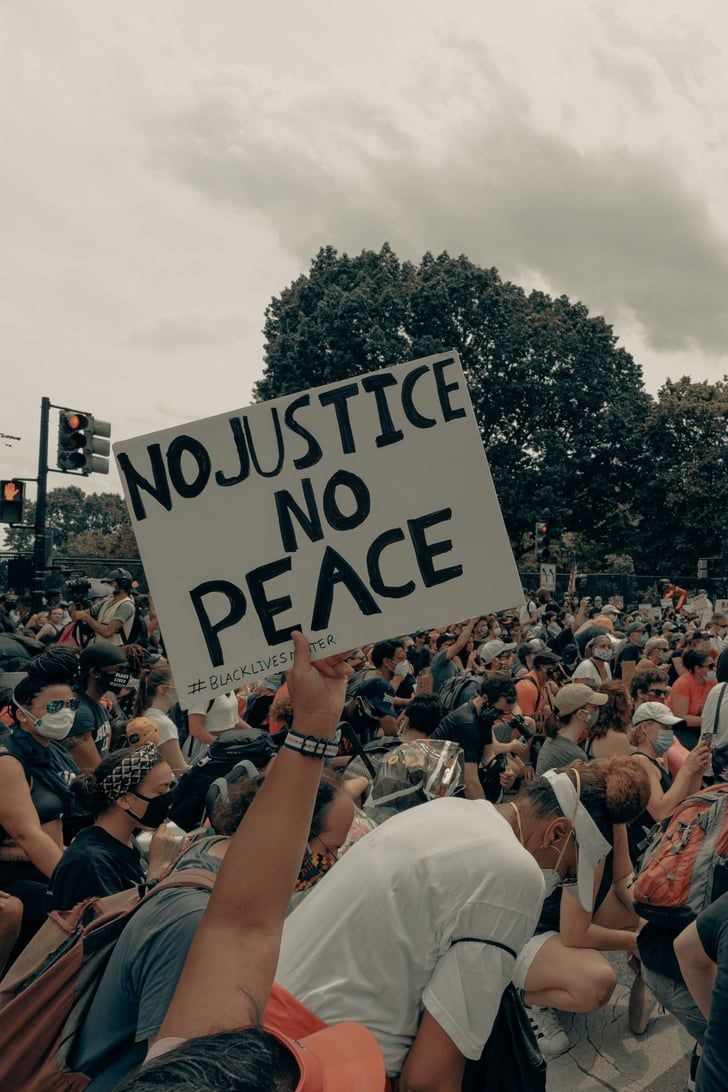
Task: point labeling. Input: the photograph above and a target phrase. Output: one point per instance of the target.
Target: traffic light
(12, 501)
(703, 568)
(542, 541)
(83, 442)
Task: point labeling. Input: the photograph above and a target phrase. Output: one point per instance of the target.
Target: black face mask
(157, 809)
(116, 683)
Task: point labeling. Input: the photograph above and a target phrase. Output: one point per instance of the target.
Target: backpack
(45, 996)
(217, 760)
(685, 866)
(458, 690)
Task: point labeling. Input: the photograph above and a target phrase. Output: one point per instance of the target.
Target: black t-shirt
(712, 927)
(631, 653)
(466, 728)
(92, 717)
(94, 864)
(655, 943)
(672, 675)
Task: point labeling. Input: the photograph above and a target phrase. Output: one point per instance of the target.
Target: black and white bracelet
(312, 746)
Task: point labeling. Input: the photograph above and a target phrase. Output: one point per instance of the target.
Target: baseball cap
(380, 696)
(655, 710)
(635, 627)
(609, 608)
(593, 847)
(491, 650)
(341, 1056)
(101, 656)
(545, 657)
(574, 696)
(444, 637)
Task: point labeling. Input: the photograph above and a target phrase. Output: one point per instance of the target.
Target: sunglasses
(56, 704)
(658, 693)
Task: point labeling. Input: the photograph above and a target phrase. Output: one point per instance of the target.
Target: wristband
(312, 746)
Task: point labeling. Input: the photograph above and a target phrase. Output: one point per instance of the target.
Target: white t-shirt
(709, 710)
(167, 727)
(399, 924)
(222, 714)
(526, 611)
(589, 673)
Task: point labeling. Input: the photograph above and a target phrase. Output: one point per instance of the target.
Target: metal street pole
(39, 551)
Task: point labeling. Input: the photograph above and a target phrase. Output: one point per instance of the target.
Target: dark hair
(498, 686)
(249, 1060)
(613, 790)
(86, 788)
(150, 680)
(227, 815)
(721, 667)
(424, 713)
(692, 659)
(329, 785)
(57, 666)
(442, 638)
(384, 650)
(614, 713)
(644, 681)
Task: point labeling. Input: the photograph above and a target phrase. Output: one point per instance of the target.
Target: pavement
(605, 1055)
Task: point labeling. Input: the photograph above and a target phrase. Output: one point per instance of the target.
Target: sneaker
(641, 1006)
(694, 1063)
(551, 1037)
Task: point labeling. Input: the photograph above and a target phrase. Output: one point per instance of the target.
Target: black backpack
(217, 760)
(458, 690)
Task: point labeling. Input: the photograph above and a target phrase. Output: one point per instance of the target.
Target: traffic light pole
(39, 553)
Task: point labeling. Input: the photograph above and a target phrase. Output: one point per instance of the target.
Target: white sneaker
(551, 1037)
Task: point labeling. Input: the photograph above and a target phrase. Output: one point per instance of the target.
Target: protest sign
(356, 511)
(721, 606)
(666, 604)
(645, 610)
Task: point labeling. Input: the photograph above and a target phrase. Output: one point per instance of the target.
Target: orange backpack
(685, 867)
(47, 992)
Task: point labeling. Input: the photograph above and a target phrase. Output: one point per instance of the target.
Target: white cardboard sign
(356, 511)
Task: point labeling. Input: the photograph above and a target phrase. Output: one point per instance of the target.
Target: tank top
(638, 829)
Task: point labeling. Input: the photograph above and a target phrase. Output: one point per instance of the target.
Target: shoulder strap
(481, 940)
(718, 705)
(200, 878)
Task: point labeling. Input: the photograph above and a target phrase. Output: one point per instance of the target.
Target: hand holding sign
(318, 691)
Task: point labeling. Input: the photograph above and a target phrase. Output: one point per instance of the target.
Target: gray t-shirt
(556, 753)
(142, 974)
(442, 669)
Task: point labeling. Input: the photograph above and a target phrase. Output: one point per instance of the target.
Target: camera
(77, 585)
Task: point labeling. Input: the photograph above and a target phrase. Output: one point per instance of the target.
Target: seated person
(471, 726)
(576, 710)
(128, 790)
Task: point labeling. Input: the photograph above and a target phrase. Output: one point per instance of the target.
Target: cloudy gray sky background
(170, 165)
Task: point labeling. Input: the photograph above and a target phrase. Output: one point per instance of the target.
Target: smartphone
(707, 737)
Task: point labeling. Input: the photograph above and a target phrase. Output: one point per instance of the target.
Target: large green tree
(560, 406)
(83, 524)
(683, 474)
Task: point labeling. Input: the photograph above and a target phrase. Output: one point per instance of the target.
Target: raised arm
(462, 640)
(232, 961)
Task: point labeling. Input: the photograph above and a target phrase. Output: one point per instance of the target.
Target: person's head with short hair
(545, 662)
(656, 648)
(499, 692)
(386, 655)
(697, 641)
(444, 640)
(648, 686)
(637, 633)
(421, 717)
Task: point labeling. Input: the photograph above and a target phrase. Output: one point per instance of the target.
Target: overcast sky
(170, 165)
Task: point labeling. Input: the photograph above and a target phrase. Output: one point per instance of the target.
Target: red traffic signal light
(83, 443)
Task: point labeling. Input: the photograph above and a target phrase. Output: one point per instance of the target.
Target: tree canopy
(82, 524)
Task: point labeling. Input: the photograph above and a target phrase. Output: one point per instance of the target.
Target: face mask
(640, 638)
(710, 675)
(116, 683)
(552, 881)
(365, 720)
(52, 725)
(554, 629)
(603, 654)
(591, 718)
(664, 740)
(157, 809)
(569, 619)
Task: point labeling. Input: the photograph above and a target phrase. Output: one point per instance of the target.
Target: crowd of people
(393, 842)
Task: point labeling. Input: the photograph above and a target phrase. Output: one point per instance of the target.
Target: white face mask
(551, 879)
(52, 725)
(603, 654)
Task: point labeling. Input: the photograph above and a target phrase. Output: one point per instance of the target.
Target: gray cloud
(180, 330)
(626, 229)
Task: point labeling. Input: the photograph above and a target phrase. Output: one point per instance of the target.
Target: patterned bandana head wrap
(132, 769)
